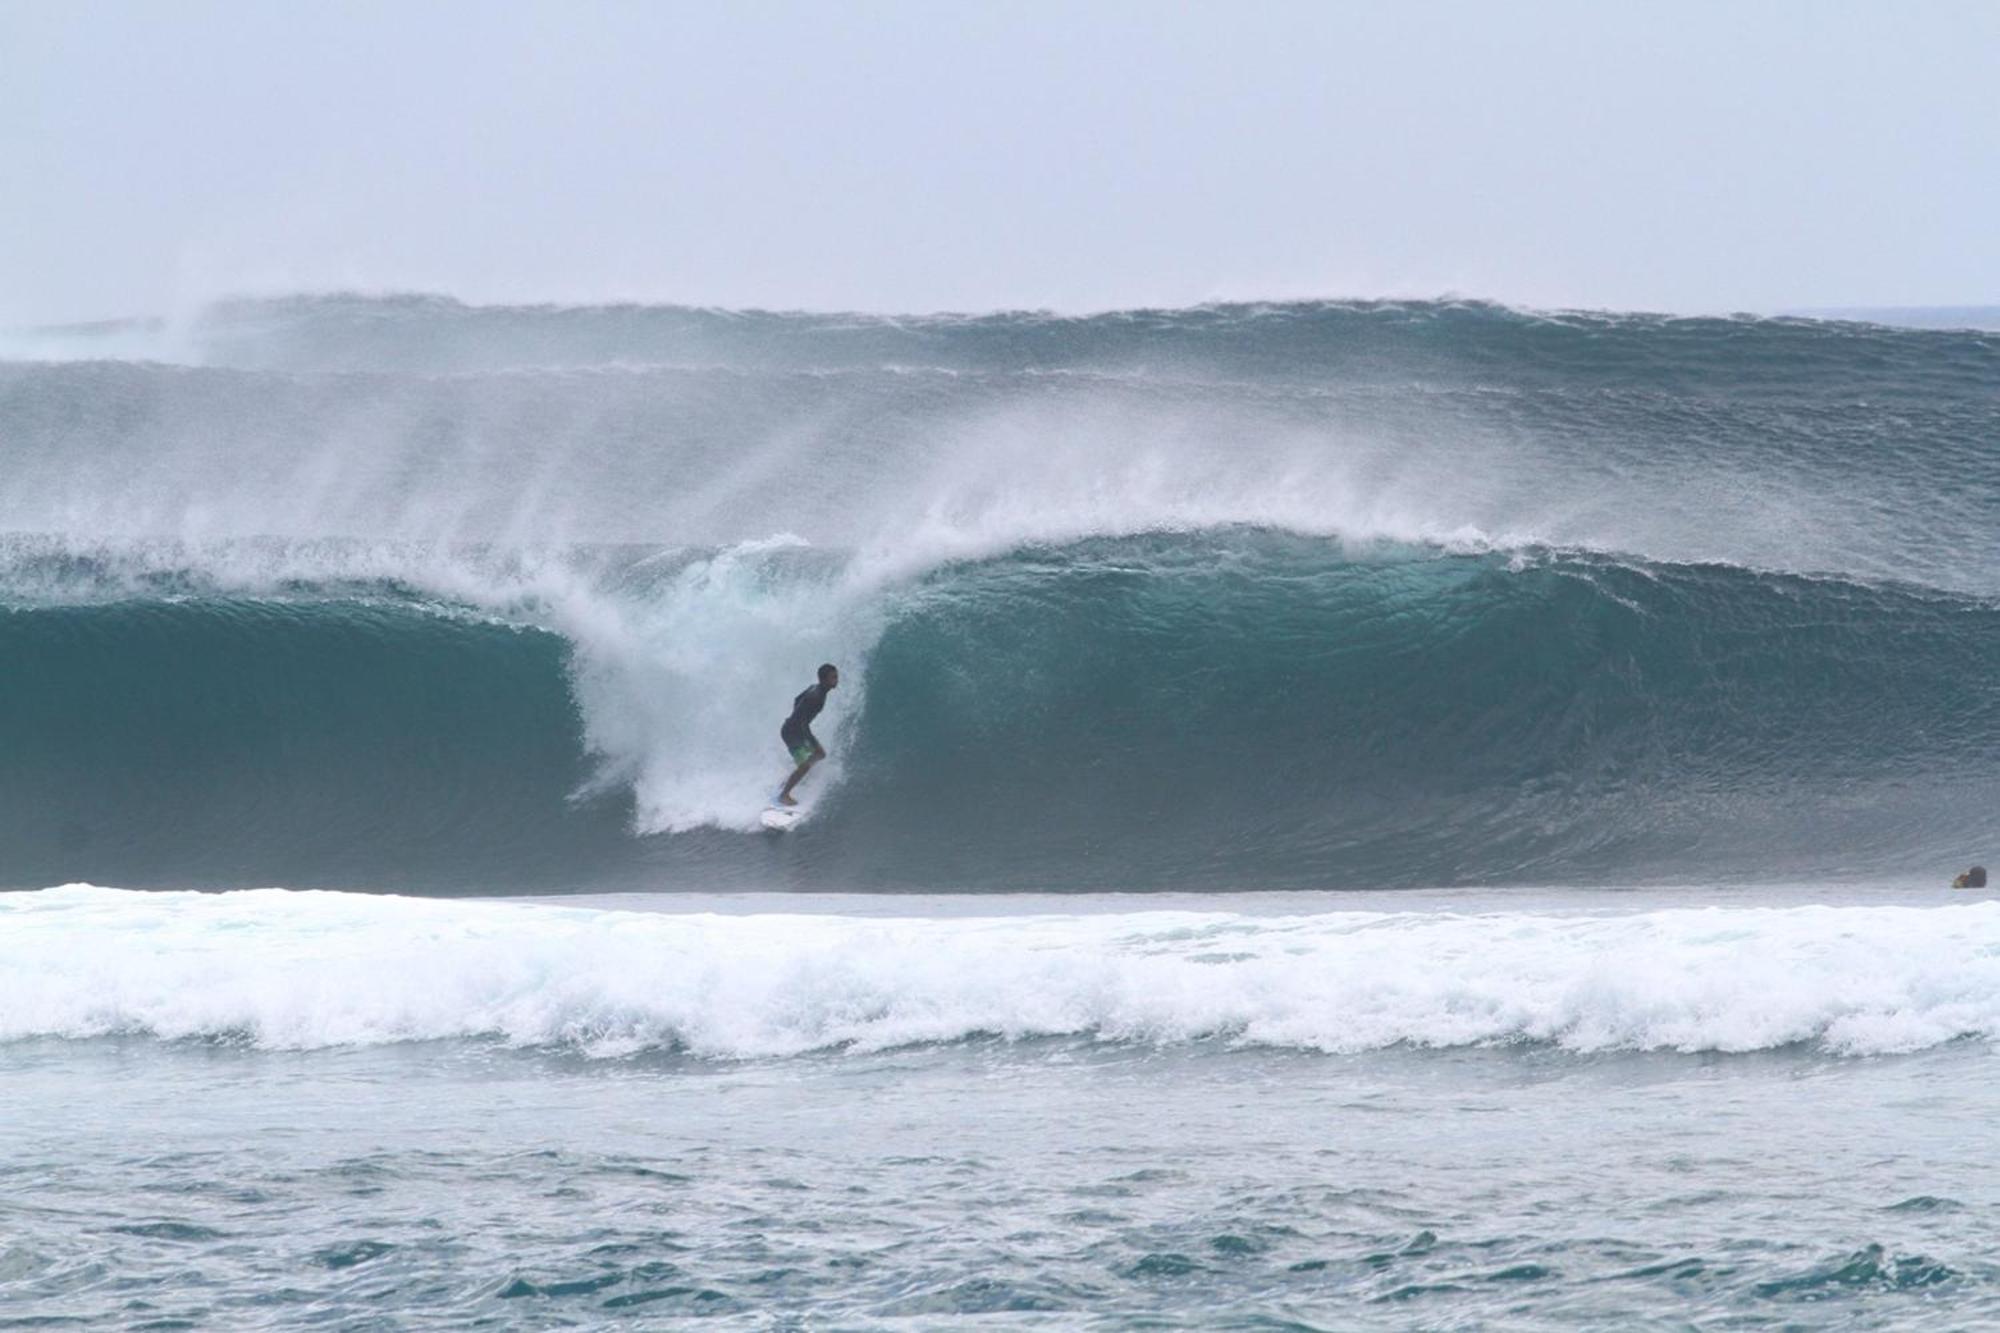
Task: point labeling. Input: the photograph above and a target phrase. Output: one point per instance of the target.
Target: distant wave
(1403, 339)
(1784, 445)
(302, 971)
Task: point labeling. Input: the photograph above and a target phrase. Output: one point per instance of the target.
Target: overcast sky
(922, 156)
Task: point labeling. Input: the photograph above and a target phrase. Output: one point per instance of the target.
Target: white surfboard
(778, 818)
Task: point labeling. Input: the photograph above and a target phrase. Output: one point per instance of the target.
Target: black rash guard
(798, 727)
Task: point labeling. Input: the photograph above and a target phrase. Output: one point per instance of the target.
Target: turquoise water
(1234, 707)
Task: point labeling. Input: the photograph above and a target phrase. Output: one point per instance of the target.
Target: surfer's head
(829, 675)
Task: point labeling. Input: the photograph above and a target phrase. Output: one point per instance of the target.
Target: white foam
(307, 970)
(682, 691)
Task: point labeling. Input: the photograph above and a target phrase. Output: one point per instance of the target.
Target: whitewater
(290, 971)
(1341, 815)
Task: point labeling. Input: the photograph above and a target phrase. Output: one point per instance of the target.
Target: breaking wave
(310, 970)
(399, 593)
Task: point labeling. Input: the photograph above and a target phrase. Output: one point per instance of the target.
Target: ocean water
(1342, 815)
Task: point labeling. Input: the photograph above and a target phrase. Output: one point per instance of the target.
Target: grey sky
(923, 156)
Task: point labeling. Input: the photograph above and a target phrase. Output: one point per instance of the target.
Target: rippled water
(1051, 1181)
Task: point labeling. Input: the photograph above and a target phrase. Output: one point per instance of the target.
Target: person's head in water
(1974, 878)
(829, 675)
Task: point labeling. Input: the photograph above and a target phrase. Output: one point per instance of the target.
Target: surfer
(1974, 878)
(800, 743)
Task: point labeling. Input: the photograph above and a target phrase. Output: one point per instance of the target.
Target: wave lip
(1781, 444)
(291, 970)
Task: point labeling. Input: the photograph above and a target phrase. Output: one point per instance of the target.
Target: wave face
(311, 970)
(394, 592)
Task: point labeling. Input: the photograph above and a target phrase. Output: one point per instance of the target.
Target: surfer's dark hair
(828, 669)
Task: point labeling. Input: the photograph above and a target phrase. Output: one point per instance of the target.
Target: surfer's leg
(785, 796)
(806, 755)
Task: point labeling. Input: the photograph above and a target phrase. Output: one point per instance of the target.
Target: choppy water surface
(435, 1187)
(1199, 1176)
